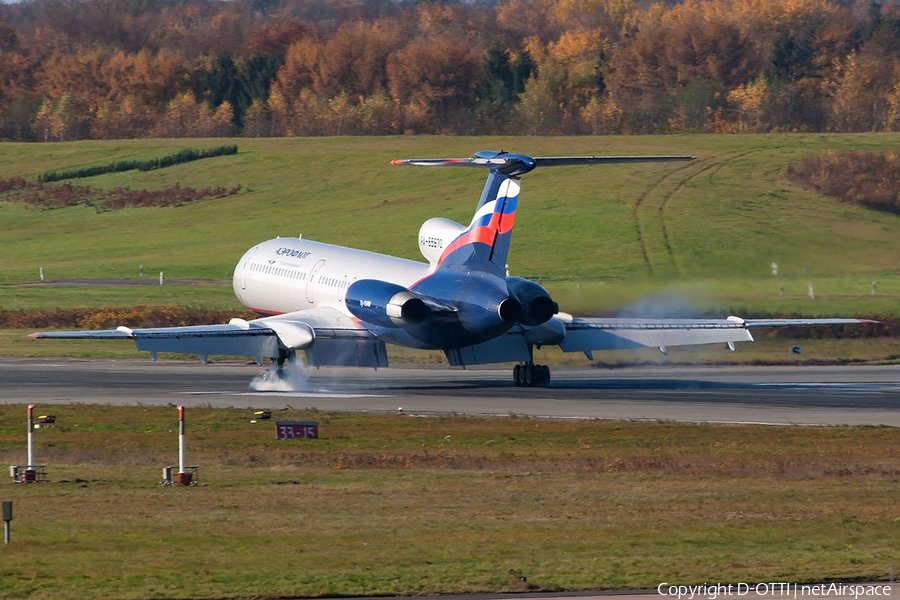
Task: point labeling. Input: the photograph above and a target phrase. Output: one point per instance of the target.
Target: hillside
(728, 214)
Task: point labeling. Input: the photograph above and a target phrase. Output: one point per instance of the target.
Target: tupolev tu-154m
(341, 305)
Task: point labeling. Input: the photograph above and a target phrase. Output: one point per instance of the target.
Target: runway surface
(829, 395)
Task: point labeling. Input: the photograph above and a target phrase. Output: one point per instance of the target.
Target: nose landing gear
(531, 375)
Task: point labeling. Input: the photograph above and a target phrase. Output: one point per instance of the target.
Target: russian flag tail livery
(484, 244)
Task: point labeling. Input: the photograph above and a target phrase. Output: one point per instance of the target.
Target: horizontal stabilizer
(571, 161)
(452, 162)
(518, 164)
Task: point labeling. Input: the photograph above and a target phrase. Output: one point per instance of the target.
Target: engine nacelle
(537, 305)
(435, 235)
(385, 304)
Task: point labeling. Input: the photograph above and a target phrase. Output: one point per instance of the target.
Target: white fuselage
(289, 274)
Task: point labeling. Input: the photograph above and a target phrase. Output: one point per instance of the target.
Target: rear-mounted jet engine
(385, 304)
(537, 305)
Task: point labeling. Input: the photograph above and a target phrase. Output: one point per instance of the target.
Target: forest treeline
(109, 69)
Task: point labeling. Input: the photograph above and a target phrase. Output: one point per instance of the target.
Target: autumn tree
(132, 68)
(503, 76)
(257, 120)
(300, 62)
(865, 87)
(127, 118)
(181, 115)
(354, 61)
(676, 72)
(437, 76)
(567, 76)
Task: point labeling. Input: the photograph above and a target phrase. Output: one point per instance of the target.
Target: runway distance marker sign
(296, 430)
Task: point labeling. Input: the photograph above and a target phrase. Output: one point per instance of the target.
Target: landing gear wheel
(530, 375)
(283, 357)
(545, 375)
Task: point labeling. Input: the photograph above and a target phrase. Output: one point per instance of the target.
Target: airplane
(341, 305)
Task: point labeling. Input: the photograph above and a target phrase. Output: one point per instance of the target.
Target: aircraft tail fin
(484, 245)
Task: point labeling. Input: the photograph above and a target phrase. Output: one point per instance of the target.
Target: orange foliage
(129, 69)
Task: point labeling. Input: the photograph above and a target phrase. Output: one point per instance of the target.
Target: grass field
(649, 239)
(730, 213)
(405, 505)
(833, 296)
(401, 505)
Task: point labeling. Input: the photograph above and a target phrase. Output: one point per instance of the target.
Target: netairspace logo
(775, 590)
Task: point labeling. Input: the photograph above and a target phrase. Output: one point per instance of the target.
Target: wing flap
(230, 339)
(585, 335)
(770, 323)
(348, 351)
(102, 334)
(511, 347)
(328, 336)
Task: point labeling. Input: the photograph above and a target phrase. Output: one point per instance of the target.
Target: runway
(831, 395)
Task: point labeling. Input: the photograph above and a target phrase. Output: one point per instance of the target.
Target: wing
(328, 336)
(585, 335)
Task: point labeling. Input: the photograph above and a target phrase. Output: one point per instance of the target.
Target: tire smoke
(291, 377)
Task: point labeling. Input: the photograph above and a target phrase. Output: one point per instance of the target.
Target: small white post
(142, 270)
(7, 517)
(42, 273)
(30, 435)
(160, 278)
(181, 439)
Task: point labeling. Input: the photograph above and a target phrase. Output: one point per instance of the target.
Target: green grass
(728, 214)
(833, 296)
(695, 237)
(402, 505)
(208, 296)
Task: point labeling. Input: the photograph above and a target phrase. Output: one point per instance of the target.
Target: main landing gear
(276, 371)
(531, 375)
